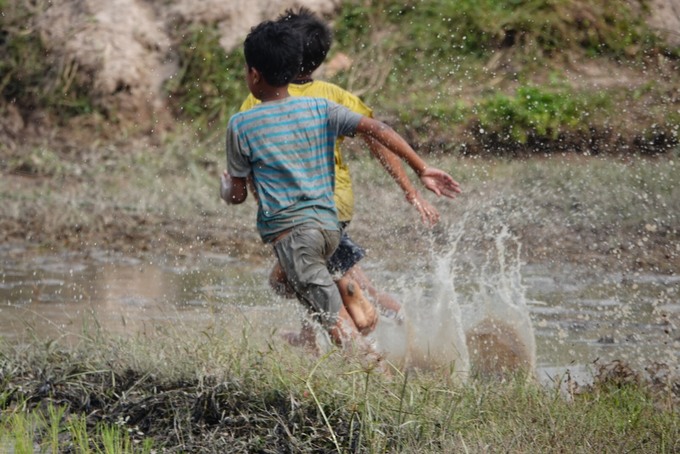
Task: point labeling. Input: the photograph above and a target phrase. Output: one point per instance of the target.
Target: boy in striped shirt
(360, 296)
(285, 147)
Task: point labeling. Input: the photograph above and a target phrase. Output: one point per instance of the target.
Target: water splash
(498, 328)
(484, 328)
(431, 336)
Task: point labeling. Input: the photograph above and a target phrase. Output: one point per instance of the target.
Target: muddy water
(580, 317)
(574, 317)
(70, 296)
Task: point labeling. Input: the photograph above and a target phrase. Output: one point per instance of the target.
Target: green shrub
(29, 76)
(210, 83)
(478, 27)
(535, 111)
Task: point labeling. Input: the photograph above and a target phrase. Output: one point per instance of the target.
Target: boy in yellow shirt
(344, 262)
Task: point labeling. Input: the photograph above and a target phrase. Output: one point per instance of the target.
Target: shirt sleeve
(354, 103)
(342, 120)
(238, 162)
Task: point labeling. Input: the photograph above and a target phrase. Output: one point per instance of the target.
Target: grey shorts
(303, 254)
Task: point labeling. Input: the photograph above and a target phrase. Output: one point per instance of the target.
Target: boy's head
(274, 49)
(316, 37)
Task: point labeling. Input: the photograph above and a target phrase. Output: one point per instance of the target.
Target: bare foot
(361, 310)
(299, 340)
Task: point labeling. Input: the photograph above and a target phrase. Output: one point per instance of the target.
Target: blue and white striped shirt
(287, 145)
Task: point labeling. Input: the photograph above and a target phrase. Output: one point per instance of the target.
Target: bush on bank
(29, 77)
(446, 70)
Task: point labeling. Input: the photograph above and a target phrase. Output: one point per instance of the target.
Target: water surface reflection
(65, 295)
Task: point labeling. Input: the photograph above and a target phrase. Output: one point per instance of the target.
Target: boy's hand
(233, 190)
(440, 182)
(225, 187)
(428, 213)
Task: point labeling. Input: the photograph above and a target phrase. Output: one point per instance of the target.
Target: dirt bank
(118, 54)
(124, 50)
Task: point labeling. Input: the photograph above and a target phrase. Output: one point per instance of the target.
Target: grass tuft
(119, 395)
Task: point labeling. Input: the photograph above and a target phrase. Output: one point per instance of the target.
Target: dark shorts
(346, 255)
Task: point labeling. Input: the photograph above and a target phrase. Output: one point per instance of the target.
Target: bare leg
(360, 309)
(354, 305)
(345, 335)
(303, 255)
(385, 302)
(279, 282)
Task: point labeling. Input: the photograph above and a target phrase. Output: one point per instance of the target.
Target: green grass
(468, 63)
(178, 390)
(437, 40)
(51, 431)
(210, 83)
(439, 30)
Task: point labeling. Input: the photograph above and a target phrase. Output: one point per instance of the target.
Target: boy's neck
(303, 79)
(272, 93)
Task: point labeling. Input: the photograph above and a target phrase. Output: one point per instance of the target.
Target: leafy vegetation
(29, 77)
(475, 62)
(534, 111)
(436, 31)
(209, 85)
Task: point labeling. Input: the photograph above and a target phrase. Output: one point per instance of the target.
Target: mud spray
(464, 318)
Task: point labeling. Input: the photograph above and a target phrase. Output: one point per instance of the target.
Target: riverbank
(491, 78)
(173, 391)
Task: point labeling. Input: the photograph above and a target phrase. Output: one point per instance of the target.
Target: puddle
(67, 296)
(575, 318)
(587, 320)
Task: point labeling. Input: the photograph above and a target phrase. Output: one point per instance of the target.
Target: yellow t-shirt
(344, 196)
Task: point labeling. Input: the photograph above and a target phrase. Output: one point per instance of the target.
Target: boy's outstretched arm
(392, 163)
(233, 190)
(436, 180)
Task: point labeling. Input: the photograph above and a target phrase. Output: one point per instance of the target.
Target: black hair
(275, 50)
(316, 36)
